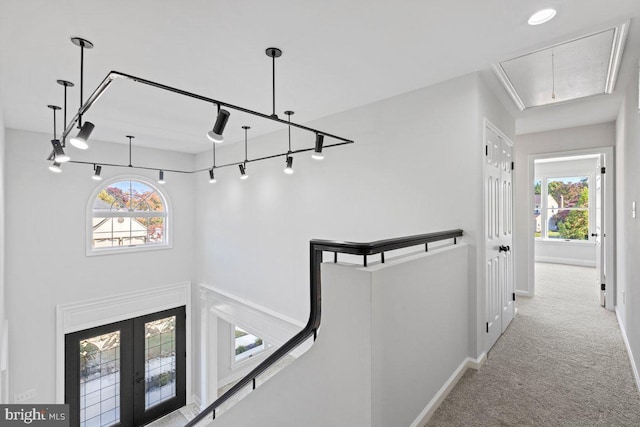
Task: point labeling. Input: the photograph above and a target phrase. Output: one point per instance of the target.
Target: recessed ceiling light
(542, 16)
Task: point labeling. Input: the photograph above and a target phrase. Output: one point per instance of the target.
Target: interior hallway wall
(415, 168)
(628, 227)
(584, 137)
(4, 398)
(47, 264)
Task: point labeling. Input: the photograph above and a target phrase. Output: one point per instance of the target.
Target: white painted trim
(168, 226)
(634, 367)
(567, 261)
(609, 153)
(102, 311)
(446, 388)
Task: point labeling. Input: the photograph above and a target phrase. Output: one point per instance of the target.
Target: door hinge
(487, 327)
(486, 150)
(603, 286)
(513, 165)
(603, 169)
(514, 296)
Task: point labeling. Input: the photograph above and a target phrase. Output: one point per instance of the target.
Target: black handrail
(316, 249)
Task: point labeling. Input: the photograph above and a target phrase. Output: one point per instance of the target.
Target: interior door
(498, 202)
(494, 274)
(506, 235)
(127, 373)
(599, 228)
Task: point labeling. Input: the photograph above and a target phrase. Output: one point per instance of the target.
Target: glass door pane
(160, 361)
(100, 380)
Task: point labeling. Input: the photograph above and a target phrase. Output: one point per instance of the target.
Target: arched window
(128, 214)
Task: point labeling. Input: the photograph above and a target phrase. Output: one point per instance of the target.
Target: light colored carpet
(561, 362)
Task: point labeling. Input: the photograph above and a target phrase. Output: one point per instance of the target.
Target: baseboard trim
(634, 367)
(444, 391)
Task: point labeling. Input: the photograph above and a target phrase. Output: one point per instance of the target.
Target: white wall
(415, 168)
(47, 265)
(3, 339)
(585, 137)
(628, 227)
(374, 362)
(557, 250)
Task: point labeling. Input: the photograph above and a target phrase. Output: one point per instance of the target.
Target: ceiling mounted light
(55, 167)
(161, 177)
(289, 168)
(58, 152)
(212, 178)
(317, 152)
(96, 176)
(243, 172)
(80, 140)
(542, 16)
(215, 134)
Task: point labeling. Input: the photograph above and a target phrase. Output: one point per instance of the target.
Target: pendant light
(55, 167)
(243, 166)
(215, 134)
(289, 160)
(80, 140)
(96, 175)
(212, 178)
(317, 152)
(58, 152)
(161, 177)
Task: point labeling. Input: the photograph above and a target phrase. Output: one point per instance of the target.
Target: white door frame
(609, 226)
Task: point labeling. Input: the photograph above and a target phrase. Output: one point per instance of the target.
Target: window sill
(565, 242)
(126, 249)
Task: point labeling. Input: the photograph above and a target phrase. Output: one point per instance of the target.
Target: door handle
(594, 234)
(503, 248)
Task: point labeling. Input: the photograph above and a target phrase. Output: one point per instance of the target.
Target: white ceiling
(337, 55)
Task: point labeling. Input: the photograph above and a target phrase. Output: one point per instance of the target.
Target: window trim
(91, 251)
(544, 178)
(237, 364)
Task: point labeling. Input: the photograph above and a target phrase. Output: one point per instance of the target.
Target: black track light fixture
(96, 175)
(273, 53)
(161, 177)
(212, 177)
(289, 161)
(58, 152)
(289, 168)
(55, 167)
(80, 140)
(243, 171)
(66, 84)
(215, 134)
(317, 152)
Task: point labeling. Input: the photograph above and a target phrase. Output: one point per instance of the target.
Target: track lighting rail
(113, 75)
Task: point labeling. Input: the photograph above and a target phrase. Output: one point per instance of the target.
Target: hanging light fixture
(55, 167)
(80, 140)
(215, 134)
(243, 166)
(66, 84)
(96, 175)
(317, 152)
(86, 128)
(161, 177)
(58, 154)
(212, 178)
(289, 160)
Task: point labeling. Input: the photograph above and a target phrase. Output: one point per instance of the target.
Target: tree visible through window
(563, 207)
(128, 213)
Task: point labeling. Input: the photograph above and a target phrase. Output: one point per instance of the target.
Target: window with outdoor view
(247, 345)
(128, 214)
(562, 208)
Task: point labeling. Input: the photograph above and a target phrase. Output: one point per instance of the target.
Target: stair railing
(316, 250)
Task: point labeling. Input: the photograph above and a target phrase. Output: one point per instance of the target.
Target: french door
(127, 373)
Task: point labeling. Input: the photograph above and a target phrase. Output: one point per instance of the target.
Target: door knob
(503, 248)
(594, 234)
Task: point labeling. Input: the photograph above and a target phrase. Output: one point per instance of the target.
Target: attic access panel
(575, 69)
